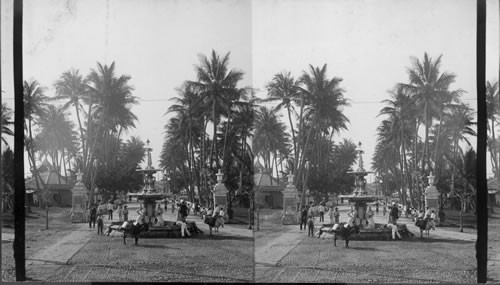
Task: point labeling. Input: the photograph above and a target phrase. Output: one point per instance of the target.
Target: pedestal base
(290, 220)
(78, 217)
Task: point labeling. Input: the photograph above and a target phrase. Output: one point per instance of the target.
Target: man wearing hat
(394, 214)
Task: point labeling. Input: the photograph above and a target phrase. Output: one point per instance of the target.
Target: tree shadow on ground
(156, 246)
(362, 248)
(223, 237)
(435, 240)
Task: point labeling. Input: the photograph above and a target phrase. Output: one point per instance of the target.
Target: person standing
(120, 213)
(330, 215)
(310, 226)
(303, 218)
(376, 208)
(321, 210)
(159, 215)
(93, 216)
(221, 216)
(384, 210)
(336, 215)
(394, 214)
(100, 225)
(110, 210)
(125, 213)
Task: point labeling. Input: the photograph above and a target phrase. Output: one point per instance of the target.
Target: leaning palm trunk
(293, 137)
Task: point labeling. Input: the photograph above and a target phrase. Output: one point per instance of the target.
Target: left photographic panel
(137, 127)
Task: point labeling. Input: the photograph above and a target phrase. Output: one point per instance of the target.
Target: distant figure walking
(310, 226)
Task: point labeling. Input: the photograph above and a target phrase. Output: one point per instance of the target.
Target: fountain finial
(219, 176)
(431, 179)
(360, 161)
(290, 178)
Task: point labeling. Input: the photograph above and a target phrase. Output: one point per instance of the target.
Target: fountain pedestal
(290, 212)
(78, 198)
(220, 195)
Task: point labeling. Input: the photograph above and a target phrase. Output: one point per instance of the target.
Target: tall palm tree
(217, 85)
(72, 86)
(269, 135)
(493, 108)
(57, 136)
(429, 88)
(113, 99)
(284, 88)
(34, 109)
(324, 101)
(6, 117)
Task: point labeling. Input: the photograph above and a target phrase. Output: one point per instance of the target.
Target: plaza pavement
(43, 264)
(288, 255)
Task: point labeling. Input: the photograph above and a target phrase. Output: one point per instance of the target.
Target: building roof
(52, 180)
(263, 181)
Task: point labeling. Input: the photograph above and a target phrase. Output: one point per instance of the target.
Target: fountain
(360, 198)
(150, 197)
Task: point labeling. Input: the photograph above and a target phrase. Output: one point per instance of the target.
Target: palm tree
(6, 117)
(57, 136)
(34, 109)
(493, 107)
(429, 89)
(72, 86)
(269, 134)
(324, 101)
(113, 98)
(284, 88)
(396, 130)
(216, 84)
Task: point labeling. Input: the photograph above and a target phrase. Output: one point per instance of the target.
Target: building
(268, 192)
(58, 187)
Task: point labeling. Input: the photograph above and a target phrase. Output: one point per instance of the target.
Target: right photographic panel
(365, 140)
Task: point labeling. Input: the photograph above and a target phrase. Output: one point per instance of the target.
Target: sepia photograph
(257, 141)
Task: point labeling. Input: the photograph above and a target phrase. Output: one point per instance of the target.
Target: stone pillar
(220, 195)
(432, 197)
(79, 201)
(290, 201)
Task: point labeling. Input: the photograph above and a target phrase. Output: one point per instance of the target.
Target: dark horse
(345, 233)
(133, 231)
(424, 225)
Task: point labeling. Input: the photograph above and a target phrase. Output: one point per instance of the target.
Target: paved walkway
(46, 261)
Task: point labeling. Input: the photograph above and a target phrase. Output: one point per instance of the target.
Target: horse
(212, 222)
(424, 225)
(344, 231)
(131, 230)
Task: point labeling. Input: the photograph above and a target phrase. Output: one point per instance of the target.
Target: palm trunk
(293, 136)
(301, 131)
(302, 161)
(424, 152)
(81, 128)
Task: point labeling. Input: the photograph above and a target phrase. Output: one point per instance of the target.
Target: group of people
(96, 214)
(307, 216)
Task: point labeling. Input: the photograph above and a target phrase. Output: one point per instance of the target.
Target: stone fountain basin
(380, 232)
(167, 230)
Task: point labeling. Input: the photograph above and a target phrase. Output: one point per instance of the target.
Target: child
(310, 226)
(100, 224)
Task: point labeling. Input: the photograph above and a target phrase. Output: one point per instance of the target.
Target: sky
(368, 43)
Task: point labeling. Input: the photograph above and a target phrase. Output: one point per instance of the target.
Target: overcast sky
(366, 42)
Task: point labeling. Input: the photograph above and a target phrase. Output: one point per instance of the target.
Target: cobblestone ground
(430, 260)
(204, 259)
(494, 247)
(225, 257)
